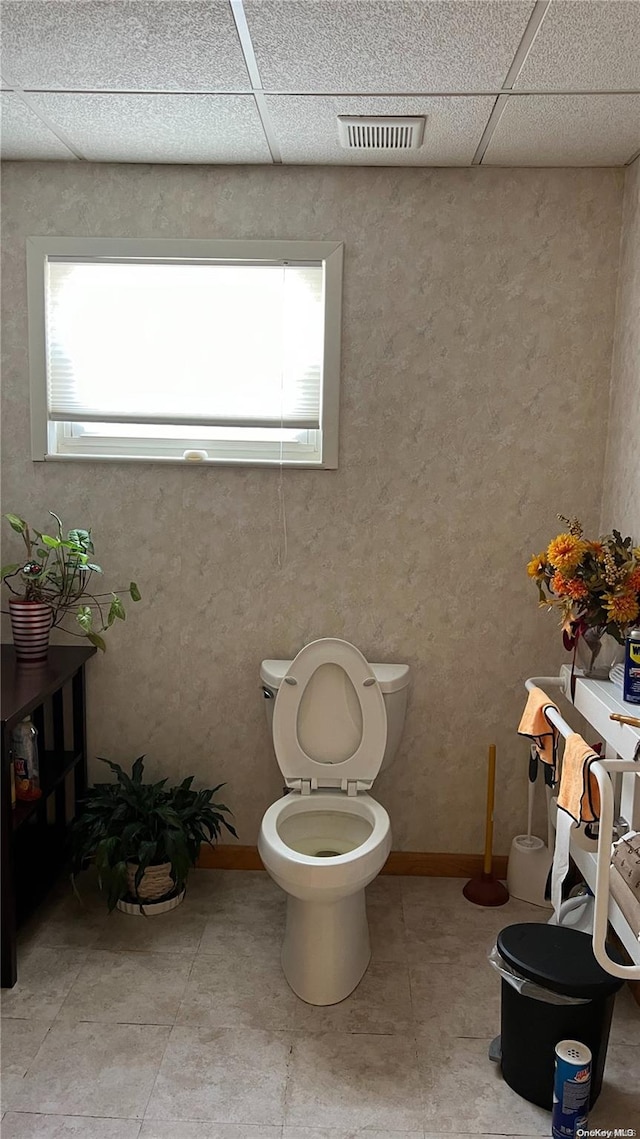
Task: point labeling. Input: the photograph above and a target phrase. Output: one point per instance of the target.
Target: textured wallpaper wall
(621, 497)
(478, 319)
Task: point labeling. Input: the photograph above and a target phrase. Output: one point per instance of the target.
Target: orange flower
(576, 589)
(558, 584)
(597, 549)
(621, 607)
(535, 567)
(565, 552)
(568, 586)
(633, 581)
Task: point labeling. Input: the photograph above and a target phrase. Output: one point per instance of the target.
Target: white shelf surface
(596, 700)
(586, 864)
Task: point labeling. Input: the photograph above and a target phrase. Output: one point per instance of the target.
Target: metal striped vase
(31, 624)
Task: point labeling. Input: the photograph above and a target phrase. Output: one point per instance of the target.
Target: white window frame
(320, 449)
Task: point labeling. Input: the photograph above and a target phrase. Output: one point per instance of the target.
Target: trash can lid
(558, 958)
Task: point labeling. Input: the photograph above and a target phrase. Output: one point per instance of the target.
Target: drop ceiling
(501, 82)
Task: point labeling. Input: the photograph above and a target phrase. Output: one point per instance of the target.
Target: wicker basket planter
(133, 828)
(150, 909)
(156, 893)
(156, 882)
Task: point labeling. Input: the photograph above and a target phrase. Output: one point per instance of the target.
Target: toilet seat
(300, 770)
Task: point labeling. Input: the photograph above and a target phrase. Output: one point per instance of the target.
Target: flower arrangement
(594, 584)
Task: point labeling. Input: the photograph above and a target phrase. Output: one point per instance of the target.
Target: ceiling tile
(585, 45)
(307, 130)
(132, 45)
(23, 134)
(385, 45)
(160, 128)
(566, 130)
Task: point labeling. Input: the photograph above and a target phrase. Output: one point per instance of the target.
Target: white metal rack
(595, 700)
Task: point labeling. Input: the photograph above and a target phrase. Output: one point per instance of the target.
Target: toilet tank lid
(390, 677)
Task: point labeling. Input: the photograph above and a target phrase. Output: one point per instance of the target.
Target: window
(222, 351)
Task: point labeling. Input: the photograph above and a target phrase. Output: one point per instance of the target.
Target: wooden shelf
(26, 686)
(54, 770)
(34, 834)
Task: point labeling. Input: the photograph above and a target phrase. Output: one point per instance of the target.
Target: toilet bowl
(327, 838)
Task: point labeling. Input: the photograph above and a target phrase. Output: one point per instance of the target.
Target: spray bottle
(24, 745)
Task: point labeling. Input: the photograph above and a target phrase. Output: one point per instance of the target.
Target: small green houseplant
(55, 581)
(144, 837)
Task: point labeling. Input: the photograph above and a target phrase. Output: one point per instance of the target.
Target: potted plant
(596, 586)
(54, 582)
(145, 837)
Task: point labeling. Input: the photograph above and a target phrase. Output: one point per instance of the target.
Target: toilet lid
(329, 719)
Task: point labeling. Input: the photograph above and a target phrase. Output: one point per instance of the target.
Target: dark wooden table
(34, 833)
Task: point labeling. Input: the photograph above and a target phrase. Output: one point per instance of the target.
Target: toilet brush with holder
(486, 889)
(530, 858)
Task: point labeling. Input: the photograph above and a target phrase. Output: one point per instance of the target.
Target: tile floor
(183, 1027)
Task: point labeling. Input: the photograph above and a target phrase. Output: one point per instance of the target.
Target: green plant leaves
(81, 539)
(118, 771)
(104, 850)
(146, 823)
(64, 579)
(84, 617)
(177, 848)
(137, 770)
(116, 609)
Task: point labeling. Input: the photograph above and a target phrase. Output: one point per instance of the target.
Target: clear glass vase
(597, 652)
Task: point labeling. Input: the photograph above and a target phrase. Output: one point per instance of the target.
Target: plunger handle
(491, 788)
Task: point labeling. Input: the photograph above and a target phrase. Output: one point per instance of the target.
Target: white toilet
(336, 722)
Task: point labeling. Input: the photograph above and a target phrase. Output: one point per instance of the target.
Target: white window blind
(210, 343)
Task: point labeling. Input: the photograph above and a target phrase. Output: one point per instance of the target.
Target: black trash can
(559, 959)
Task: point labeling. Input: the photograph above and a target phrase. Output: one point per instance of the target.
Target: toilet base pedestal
(326, 947)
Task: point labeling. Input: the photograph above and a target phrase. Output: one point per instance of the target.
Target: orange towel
(579, 794)
(537, 727)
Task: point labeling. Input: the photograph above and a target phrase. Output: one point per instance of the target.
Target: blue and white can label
(631, 683)
(571, 1088)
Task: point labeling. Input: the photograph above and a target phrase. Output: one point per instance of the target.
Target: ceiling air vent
(377, 132)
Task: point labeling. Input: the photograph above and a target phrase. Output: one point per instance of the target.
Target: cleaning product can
(571, 1088)
(631, 685)
(24, 744)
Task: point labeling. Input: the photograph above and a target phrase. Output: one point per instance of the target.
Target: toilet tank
(394, 685)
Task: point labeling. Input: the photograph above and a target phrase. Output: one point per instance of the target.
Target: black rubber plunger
(486, 889)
